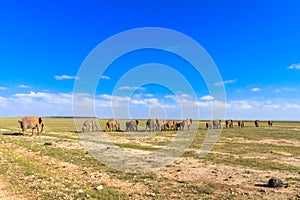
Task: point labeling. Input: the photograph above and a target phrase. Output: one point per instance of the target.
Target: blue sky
(254, 44)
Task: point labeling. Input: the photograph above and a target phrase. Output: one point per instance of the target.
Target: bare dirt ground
(188, 178)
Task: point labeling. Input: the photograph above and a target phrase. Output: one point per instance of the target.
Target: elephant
(90, 125)
(179, 125)
(170, 125)
(160, 125)
(112, 124)
(187, 123)
(132, 125)
(241, 124)
(270, 123)
(229, 123)
(208, 125)
(216, 123)
(256, 122)
(151, 124)
(32, 122)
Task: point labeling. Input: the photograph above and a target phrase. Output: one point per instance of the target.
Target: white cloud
(149, 95)
(114, 98)
(131, 88)
(225, 82)
(207, 98)
(285, 89)
(105, 77)
(66, 77)
(255, 89)
(293, 106)
(294, 66)
(2, 88)
(23, 86)
(105, 106)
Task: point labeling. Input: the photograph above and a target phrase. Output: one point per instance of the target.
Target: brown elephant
(216, 123)
(32, 122)
(241, 124)
(170, 125)
(208, 125)
(89, 125)
(112, 124)
(151, 124)
(132, 125)
(256, 123)
(179, 125)
(187, 123)
(229, 123)
(270, 123)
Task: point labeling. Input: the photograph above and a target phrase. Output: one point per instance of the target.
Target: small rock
(100, 187)
(48, 143)
(80, 191)
(275, 182)
(262, 191)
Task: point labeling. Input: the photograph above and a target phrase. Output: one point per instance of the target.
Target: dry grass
(64, 169)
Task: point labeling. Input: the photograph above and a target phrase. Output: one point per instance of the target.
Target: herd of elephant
(229, 124)
(132, 125)
(35, 122)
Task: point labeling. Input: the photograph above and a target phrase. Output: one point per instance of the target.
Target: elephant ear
(40, 120)
(137, 122)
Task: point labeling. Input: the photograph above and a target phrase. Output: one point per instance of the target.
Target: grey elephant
(132, 125)
(89, 125)
(187, 123)
(216, 123)
(229, 123)
(32, 122)
(160, 125)
(208, 125)
(256, 123)
(241, 124)
(179, 125)
(170, 125)
(270, 123)
(151, 124)
(112, 124)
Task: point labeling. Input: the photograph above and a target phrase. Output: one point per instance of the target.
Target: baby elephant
(89, 125)
(32, 122)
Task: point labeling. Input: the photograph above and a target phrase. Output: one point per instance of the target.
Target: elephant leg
(37, 130)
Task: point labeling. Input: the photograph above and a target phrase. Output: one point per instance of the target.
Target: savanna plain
(56, 164)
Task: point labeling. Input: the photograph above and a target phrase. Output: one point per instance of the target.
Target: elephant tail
(21, 123)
